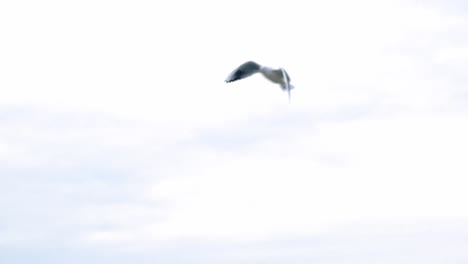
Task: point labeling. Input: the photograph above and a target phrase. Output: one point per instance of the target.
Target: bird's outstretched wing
(245, 70)
(286, 80)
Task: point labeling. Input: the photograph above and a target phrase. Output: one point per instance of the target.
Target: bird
(278, 76)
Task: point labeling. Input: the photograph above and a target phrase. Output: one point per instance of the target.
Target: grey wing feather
(245, 70)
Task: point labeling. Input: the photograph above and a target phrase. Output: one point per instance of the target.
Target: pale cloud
(399, 169)
(429, 242)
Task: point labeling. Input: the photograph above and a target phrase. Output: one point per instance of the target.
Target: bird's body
(278, 76)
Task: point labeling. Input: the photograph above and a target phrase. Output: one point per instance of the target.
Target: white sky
(117, 129)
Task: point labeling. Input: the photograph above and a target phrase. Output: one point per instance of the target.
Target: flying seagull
(279, 76)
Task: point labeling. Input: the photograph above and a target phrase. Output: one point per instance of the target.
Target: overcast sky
(121, 143)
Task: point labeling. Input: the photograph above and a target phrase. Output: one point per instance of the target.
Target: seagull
(279, 76)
